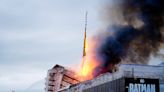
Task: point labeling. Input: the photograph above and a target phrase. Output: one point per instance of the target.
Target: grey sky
(37, 34)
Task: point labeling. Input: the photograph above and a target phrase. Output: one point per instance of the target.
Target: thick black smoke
(134, 39)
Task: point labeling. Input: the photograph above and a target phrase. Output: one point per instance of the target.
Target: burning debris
(132, 39)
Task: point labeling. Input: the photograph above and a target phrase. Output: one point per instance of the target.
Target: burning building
(135, 33)
(128, 78)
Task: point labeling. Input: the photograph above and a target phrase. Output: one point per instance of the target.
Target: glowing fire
(87, 70)
(89, 62)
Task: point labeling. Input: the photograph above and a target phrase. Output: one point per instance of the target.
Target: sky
(37, 34)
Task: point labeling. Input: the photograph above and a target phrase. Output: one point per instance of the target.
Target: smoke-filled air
(133, 32)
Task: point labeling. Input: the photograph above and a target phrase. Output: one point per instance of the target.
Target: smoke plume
(134, 32)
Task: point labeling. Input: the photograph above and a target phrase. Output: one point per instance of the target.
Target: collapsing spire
(84, 47)
(85, 34)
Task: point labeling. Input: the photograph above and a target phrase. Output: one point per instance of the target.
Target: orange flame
(89, 62)
(87, 70)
